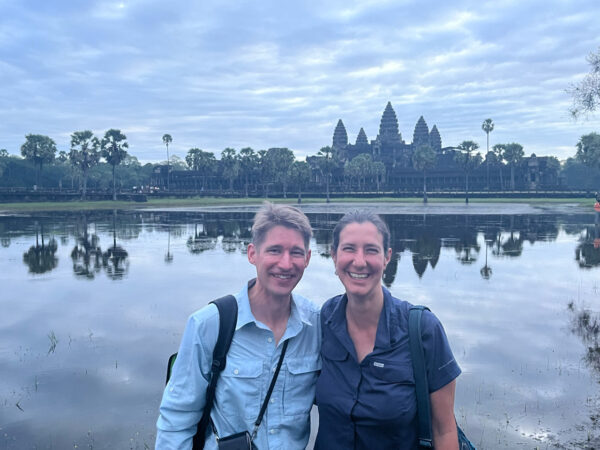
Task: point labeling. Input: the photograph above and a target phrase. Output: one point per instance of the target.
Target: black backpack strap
(422, 389)
(228, 311)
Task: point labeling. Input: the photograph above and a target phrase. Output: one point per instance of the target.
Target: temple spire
(340, 137)
(388, 128)
(361, 139)
(435, 140)
(421, 134)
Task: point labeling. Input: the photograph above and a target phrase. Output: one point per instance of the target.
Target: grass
(217, 201)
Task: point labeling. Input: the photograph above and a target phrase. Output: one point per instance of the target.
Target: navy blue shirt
(372, 405)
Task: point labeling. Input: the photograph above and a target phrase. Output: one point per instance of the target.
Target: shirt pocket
(393, 388)
(299, 390)
(239, 389)
(392, 372)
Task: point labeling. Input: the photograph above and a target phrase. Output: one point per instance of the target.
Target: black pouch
(238, 441)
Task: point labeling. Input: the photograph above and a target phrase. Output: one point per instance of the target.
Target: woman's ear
(388, 256)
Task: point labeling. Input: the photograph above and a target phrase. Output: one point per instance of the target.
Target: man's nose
(285, 261)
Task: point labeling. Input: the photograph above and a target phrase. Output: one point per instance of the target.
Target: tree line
(105, 160)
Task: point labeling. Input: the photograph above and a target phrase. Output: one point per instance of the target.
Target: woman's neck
(364, 312)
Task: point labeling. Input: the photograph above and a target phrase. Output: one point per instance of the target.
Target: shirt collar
(387, 326)
(298, 317)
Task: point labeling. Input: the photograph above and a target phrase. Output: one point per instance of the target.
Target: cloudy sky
(273, 73)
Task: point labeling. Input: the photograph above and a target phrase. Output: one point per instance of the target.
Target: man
(268, 315)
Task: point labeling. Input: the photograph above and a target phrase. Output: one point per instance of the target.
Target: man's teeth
(283, 277)
(358, 275)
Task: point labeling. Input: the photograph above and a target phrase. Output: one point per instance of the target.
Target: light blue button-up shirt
(242, 386)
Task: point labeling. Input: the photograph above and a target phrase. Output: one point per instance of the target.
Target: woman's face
(360, 259)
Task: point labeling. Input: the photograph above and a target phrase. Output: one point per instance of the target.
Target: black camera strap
(270, 391)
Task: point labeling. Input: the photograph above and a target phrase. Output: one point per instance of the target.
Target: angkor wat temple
(396, 176)
(396, 154)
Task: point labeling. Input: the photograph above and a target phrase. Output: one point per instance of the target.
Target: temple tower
(421, 134)
(361, 139)
(435, 140)
(340, 137)
(388, 128)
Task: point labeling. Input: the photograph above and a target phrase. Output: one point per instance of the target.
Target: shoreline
(485, 206)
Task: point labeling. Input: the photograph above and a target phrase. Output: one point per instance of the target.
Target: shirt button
(273, 369)
(236, 371)
(272, 400)
(272, 431)
(270, 340)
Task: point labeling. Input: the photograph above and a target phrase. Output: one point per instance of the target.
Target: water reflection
(114, 259)
(524, 356)
(169, 255)
(486, 270)
(200, 241)
(424, 237)
(86, 254)
(41, 258)
(587, 253)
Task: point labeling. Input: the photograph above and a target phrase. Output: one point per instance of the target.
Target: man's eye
(373, 251)
(299, 253)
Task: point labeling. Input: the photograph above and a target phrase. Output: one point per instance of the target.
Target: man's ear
(307, 260)
(252, 253)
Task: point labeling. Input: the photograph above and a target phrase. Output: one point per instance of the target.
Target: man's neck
(274, 312)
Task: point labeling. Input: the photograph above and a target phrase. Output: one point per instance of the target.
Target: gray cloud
(219, 74)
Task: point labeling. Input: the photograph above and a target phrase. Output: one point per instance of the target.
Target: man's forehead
(281, 234)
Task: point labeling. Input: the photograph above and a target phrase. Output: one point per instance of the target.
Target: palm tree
(230, 165)
(487, 126)
(202, 162)
(114, 147)
(248, 165)
(513, 153)
(167, 139)
(84, 154)
(327, 154)
(39, 149)
(379, 169)
(424, 158)
(467, 161)
(278, 162)
(498, 150)
(299, 175)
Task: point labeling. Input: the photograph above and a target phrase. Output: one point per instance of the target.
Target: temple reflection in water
(474, 239)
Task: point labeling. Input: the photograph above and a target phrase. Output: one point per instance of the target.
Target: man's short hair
(271, 215)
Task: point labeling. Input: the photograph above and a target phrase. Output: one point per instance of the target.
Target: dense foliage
(104, 165)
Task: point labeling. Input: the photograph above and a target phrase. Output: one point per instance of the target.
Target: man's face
(280, 261)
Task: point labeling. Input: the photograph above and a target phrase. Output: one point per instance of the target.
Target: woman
(366, 393)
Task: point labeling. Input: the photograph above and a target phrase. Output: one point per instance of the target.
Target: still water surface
(93, 303)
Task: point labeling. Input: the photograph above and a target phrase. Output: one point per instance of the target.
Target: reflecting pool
(93, 303)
